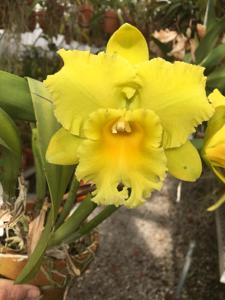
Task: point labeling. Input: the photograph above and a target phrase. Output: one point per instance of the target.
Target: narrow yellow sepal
(184, 162)
(62, 149)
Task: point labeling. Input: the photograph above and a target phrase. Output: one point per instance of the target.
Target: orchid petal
(176, 93)
(133, 158)
(86, 83)
(184, 162)
(216, 98)
(62, 149)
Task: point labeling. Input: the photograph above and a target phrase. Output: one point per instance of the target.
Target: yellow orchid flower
(126, 119)
(214, 142)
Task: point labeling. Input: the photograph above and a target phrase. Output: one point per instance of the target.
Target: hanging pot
(85, 15)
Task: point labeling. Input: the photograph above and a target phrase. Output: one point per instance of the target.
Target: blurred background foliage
(189, 30)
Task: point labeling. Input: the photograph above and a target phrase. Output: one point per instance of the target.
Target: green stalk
(69, 202)
(88, 227)
(39, 168)
(73, 222)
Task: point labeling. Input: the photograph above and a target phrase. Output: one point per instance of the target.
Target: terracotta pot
(85, 15)
(55, 274)
(110, 21)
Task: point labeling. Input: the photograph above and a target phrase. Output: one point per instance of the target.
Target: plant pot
(85, 15)
(55, 274)
(110, 21)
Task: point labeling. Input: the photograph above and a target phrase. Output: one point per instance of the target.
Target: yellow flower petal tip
(216, 98)
(129, 42)
(184, 162)
(122, 156)
(62, 149)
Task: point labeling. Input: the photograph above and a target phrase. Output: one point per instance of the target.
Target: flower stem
(88, 227)
(70, 201)
(73, 222)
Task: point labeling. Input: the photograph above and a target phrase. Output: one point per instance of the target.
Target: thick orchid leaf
(15, 97)
(10, 150)
(209, 41)
(39, 167)
(58, 177)
(73, 222)
(210, 15)
(216, 79)
(214, 57)
(92, 224)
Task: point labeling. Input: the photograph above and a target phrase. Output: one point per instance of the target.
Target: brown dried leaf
(35, 229)
(5, 218)
(179, 46)
(165, 36)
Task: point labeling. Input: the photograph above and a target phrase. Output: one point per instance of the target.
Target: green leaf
(210, 15)
(216, 79)
(69, 202)
(89, 226)
(58, 177)
(39, 167)
(214, 57)
(15, 97)
(209, 40)
(10, 150)
(73, 222)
